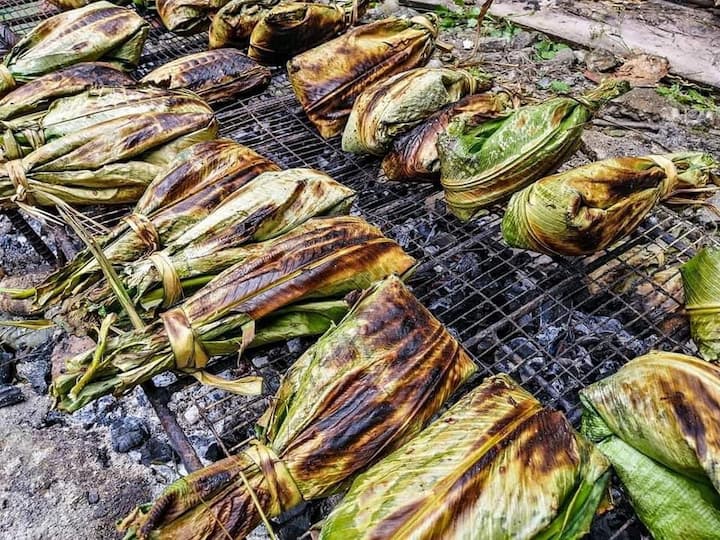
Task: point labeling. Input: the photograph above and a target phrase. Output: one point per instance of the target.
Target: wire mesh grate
(554, 324)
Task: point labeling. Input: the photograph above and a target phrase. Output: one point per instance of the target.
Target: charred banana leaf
(657, 421)
(323, 264)
(496, 465)
(328, 78)
(98, 32)
(184, 193)
(70, 115)
(701, 281)
(396, 105)
(414, 155)
(364, 388)
(233, 24)
(35, 97)
(289, 29)
(74, 4)
(272, 204)
(110, 162)
(481, 165)
(213, 75)
(587, 209)
(187, 16)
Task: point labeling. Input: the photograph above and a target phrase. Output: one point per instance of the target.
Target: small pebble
(93, 497)
(467, 44)
(192, 415)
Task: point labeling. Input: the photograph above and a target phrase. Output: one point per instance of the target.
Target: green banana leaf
(656, 420)
(701, 282)
(97, 32)
(496, 465)
(483, 164)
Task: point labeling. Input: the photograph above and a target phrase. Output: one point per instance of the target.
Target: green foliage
(688, 96)
(559, 87)
(547, 49)
(466, 16)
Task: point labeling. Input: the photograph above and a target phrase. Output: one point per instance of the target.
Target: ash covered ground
(74, 475)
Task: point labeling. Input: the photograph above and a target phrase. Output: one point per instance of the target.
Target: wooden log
(688, 37)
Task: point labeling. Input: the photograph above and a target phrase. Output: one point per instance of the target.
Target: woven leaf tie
(186, 347)
(191, 356)
(35, 137)
(6, 78)
(15, 170)
(671, 174)
(284, 493)
(145, 230)
(425, 23)
(172, 286)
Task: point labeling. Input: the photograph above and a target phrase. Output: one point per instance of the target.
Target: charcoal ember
(439, 242)
(7, 367)
(467, 264)
(620, 522)
(10, 395)
(128, 433)
(294, 523)
(34, 368)
(549, 337)
(529, 369)
(156, 451)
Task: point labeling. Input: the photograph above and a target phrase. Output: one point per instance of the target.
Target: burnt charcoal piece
(128, 433)
(10, 395)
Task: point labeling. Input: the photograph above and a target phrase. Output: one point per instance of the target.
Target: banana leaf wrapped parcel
(213, 75)
(701, 283)
(293, 27)
(97, 32)
(73, 4)
(187, 16)
(35, 96)
(184, 193)
(272, 204)
(586, 209)
(111, 162)
(368, 385)
(483, 164)
(328, 78)
(221, 318)
(397, 104)
(414, 155)
(233, 24)
(656, 420)
(496, 465)
(73, 114)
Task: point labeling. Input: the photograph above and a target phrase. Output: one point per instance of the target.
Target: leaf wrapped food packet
(367, 386)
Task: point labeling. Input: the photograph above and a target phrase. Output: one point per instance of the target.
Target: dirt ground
(61, 481)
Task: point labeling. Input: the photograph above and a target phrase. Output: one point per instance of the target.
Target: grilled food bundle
(367, 386)
(34, 97)
(414, 156)
(213, 75)
(196, 182)
(307, 265)
(495, 465)
(584, 210)
(234, 22)
(656, 420)
(483, 164)
(97, 32)
(328, 78)
(291, 28)
(395, 105)
(103, 162)
(701, 282)
(187, 16)
(75, 114)
(268, 206)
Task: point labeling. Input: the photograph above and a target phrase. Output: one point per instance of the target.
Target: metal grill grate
(554, 324)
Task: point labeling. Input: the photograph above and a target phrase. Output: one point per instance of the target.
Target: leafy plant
(688, 96)
(467, 16)
(547, 49)
(559, 87)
